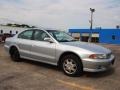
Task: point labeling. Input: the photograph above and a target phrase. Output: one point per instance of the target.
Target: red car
(4, 36)
(1, 37)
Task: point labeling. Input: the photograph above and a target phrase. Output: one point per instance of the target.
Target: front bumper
(98, 65)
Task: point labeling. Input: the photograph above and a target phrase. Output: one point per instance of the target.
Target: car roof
(48, 30)
(51, 30)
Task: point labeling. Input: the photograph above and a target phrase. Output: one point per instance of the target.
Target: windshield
(61, 36)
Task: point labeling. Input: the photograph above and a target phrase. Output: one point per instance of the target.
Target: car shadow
(40, 64)
(85, 74)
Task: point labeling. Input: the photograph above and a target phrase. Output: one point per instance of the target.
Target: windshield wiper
(68, 40)
(64, 41)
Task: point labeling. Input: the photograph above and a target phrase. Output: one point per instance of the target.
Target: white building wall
(7, 29)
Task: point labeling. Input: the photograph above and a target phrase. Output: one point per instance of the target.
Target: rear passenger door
(24, 43)
(42, 50)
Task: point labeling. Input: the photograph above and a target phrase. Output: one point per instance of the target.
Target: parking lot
(29, 75)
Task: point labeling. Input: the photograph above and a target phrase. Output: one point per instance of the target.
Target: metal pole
(91, 24)
(91, 21)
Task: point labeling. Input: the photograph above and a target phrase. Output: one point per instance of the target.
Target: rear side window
(26, 34)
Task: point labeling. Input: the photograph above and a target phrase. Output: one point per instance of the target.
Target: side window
(113, 37)
(26, 34)
(40, 35)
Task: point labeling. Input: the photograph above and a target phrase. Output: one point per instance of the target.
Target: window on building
(16, 32)
(1, 31)
(113, 37)
(10, 32)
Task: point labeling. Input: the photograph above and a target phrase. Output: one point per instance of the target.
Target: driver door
(42, 50)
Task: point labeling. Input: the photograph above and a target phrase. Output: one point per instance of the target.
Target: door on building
(76, 36)
(84, 37)
(95, 37)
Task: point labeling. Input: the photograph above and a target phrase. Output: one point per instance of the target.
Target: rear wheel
(72, 65)
(14, 53)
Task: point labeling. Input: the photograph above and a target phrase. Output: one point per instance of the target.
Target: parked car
(58, 48)
(1, 37)
(6, 35)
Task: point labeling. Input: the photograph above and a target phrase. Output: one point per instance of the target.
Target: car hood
(88, 46)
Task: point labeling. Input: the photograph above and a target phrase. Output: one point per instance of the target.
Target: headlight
(98, 56)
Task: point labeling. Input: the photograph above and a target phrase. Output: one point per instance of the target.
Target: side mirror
(48, 40)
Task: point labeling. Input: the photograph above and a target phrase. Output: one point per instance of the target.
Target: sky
(62, 14)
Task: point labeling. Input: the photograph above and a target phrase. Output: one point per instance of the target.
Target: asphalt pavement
(30, 75)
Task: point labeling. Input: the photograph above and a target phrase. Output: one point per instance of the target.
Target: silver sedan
(58, 48)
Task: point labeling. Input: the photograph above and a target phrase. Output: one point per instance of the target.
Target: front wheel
(72, 65)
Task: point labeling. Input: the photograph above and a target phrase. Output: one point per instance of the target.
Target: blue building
(110, 36)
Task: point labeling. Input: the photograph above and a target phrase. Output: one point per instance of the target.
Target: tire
(14, 53)
(72, 65)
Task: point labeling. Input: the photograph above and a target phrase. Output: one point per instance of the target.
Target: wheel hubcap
(69, 66)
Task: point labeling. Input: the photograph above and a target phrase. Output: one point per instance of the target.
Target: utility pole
(91, 24)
